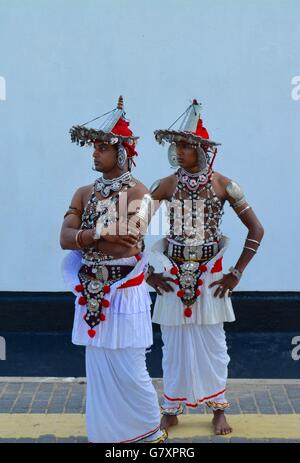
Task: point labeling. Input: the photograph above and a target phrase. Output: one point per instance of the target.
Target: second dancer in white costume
(189, 310)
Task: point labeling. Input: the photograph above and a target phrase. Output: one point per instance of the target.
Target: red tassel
(217, 266)
(203, 268)
(105, 303)
(106, 289)
(138, 257)
(174, 270)
(91, 333)
(200, 282)
(198, 292)
(188, 312)
(78, 288)
(82, 300)
(180, 293)
(102, 317)
(176, 282)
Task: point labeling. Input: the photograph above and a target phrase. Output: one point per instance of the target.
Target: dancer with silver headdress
(106, 272)
(193, 294)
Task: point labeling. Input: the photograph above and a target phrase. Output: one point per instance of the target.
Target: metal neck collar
(193, 181)
(107, 186)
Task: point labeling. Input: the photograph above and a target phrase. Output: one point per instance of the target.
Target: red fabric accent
(78, 288)
(180, 293)
(91, 333)
(205, 398)
(82, 300)
(217, 266)
(188, 312)
(200, 130)
(142, 435)
(122, 128)
(106, 289)
(138, 257)
(212, 161)
(136, 281)
(182, 399)
(178, 399)
(192, 405)
(130, 149)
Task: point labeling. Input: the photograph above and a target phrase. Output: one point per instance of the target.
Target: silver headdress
(190, 131)
(81, 134)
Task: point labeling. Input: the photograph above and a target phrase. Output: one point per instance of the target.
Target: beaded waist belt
(193, 253)
(105, 273)
(95, 283)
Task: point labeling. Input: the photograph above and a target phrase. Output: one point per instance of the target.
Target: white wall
(64, 62)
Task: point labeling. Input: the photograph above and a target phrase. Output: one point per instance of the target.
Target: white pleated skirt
(195, 365)
(121, 404)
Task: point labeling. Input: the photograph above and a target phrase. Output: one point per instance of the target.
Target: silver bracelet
(239, 203)
(145, 208)
(236, 273)
(251, 249)
(254, 241)
(244, 210)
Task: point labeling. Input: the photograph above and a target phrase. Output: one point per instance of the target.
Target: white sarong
(195, 361)
(122, 404)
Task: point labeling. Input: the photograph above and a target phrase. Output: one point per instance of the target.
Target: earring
(202, 160)
(122, 156)
(172, 156)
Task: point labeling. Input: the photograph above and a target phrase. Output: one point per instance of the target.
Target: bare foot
(220, 423)
(167, 421)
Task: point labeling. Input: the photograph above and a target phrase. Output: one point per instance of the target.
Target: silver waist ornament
(107, 186)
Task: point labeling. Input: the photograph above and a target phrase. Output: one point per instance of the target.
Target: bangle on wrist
(250, 241)
(78, 239)
(250, 249)
(236, 273)
(149, 272)
(253, 241)
(96, 234)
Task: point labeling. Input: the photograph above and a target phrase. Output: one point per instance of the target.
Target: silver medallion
(93, 305)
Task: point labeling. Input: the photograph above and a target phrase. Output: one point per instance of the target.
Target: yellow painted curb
(34, 425)
(64, 425)
(244, 425)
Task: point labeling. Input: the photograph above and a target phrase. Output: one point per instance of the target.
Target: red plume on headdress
(122, 128)
(200, 130)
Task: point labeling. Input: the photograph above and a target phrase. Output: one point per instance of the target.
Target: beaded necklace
(107, 186)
